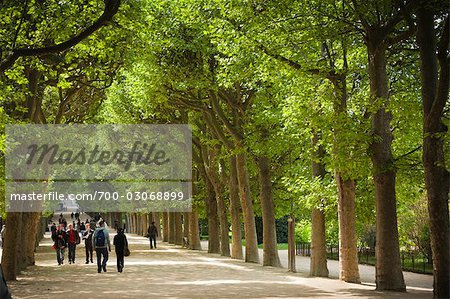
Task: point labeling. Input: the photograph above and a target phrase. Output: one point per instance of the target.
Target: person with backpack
(152, 234)
(60, 244)
(87, 237)
(120, 243)
(101, 245)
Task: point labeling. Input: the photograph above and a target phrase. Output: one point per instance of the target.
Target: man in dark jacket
(102, 246)
(60, 244)
(120, 242)
(87, 237)
(152, 234)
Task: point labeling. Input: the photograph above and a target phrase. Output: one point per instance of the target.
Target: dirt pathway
(173, 272)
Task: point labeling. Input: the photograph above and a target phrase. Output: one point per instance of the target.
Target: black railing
(412, 260)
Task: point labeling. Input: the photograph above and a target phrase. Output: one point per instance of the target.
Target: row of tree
(294, 104)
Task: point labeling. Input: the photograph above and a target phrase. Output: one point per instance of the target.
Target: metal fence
(412, 260)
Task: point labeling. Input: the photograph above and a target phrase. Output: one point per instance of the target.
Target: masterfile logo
(102, 167)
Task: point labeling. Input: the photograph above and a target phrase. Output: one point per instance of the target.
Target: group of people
(97, 240)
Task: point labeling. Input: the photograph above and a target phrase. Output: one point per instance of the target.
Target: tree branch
(444, 77)
(221, 115)
(111, 8)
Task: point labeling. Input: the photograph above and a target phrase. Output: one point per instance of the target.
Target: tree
(435, 77)
(379, 34)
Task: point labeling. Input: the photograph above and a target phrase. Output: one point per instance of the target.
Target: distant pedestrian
(60, 244)
(93, 224)
(101, 245)
(53, 231)
(71, 215)
(87, 237)
(120, 242)
(73, 238)
(152, 234)
(97, 217)
(63, 221)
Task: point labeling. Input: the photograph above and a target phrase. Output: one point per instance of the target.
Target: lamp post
(291, 244)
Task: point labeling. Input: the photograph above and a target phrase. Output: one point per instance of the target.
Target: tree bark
(178, 229)
(194, 234)
(389, 275)
(11, 244)
(318, 266)
(437, 180)
(165, 227)
(235, 212)
(270, 249)
(213, 221)
(251, 242)
(348, 253)
(212, 172)
(157, 220)
(32, 226)
(186, 227)
(171, 227)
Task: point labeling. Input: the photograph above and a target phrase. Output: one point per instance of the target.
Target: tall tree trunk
(32, 235)
(389, 275)
(212, 172)
(348, 253)
(157, 220)
(235, 211)
(10, 245)
(186, 226)
(165, 227)
(437, 180)
(171, 227)
(22, 250)
(194, 234)
(223, 220)
(134, 223)
(128, 223)
(178, 229)
(213, 221)
(251, 243)
(270, 249)
(318, 266)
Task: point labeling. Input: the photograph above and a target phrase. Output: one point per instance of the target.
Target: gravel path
(173, 272)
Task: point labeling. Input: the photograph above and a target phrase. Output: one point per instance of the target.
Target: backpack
(100, 238)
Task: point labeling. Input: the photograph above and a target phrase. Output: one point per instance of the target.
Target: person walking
(60, 244)
(54, 230)
(87, 237)
(101, 245)
(120, 242)
(73, 238)
(152, 234)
